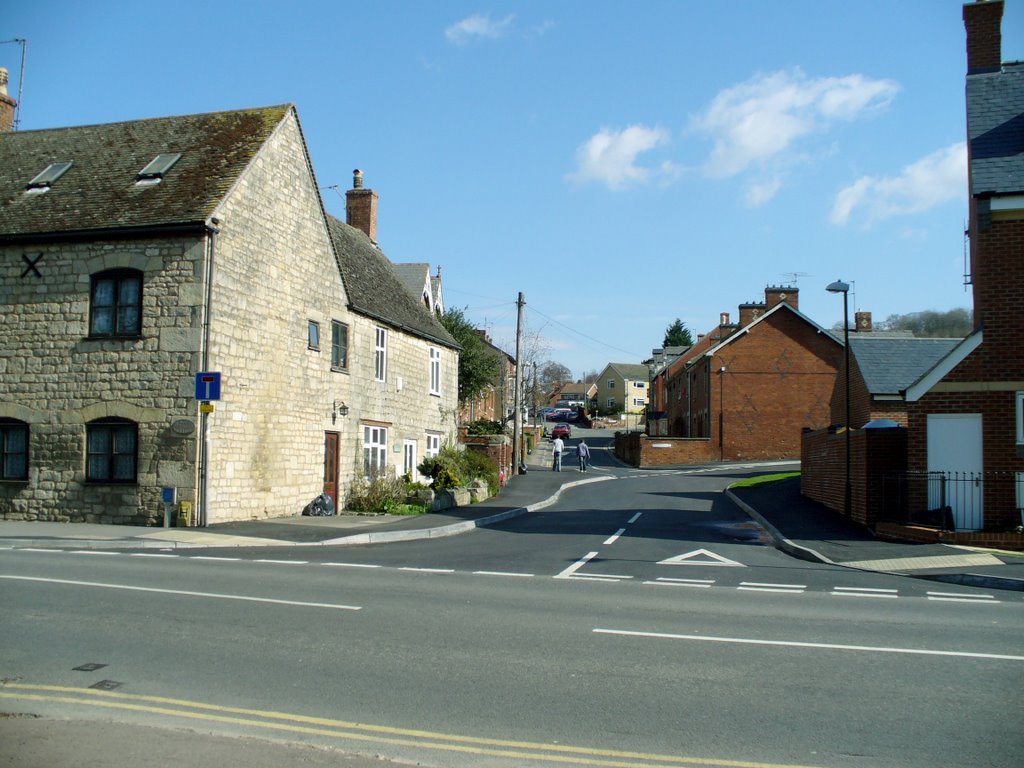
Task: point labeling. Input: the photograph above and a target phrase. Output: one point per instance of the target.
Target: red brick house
(964, 437)
(746, 390)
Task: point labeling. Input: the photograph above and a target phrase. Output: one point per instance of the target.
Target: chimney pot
(361, 207)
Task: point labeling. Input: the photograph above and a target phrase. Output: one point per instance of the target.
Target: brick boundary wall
(643, 451)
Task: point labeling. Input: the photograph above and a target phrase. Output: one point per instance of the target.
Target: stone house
(141, 254)
(962, 450)
(405, 391)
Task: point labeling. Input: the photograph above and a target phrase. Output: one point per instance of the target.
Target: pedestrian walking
(557, 446)
(583, 452)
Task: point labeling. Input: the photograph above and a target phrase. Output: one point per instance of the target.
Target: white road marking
(863, 592)
(615, 536)
(429, 570)
(635, 517)
(216, 559)
(961, 597)
(92, 552)
(183, 592)
(710, 558)
(753, 586)
(700, 583)
(283, 562)
(568, 572)
(350, 565)
(147, 554)
(797, 644)
(502, 573)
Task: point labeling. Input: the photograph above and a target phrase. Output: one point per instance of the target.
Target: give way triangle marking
(701, 557)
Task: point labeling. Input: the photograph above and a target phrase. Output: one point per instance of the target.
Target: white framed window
(640, 384)
(433, 445)
(409, 460)
(313, 335)
(435, 371)
(638, 402)
(1020, 418)
(611, 402)
(380, 354)
(375, 450)
(339, 346)
(611, 383)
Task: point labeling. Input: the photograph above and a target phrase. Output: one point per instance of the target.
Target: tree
(677, 335)
(479, 364)
(551, 373)
(953, 324)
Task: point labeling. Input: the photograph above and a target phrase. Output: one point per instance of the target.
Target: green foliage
(479, 364)
(454, 468)
(677, 335)
(443, 469)
(752, 482)
(478, 466)
(954, 324)
(485, 427)
(376, 495)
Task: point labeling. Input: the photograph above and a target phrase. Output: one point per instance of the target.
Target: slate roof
(413, 277)
(375, 290)
(99, 191)
(630, 371)
(890, 365)
(995, 128)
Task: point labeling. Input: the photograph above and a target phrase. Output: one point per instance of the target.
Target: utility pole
(517, 425)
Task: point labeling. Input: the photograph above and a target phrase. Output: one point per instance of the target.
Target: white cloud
(931, 181)
(754, 122)
(610, 156)
(759, 194)
(477, 27)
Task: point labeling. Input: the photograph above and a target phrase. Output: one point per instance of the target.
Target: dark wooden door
(331, 440)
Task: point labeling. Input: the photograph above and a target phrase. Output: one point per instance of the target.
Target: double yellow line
(379, 734)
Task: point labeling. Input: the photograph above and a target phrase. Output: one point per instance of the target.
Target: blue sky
(621, 164)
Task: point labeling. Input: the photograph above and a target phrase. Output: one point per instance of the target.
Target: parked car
(559, 414)
(543, 412)
(562, 431)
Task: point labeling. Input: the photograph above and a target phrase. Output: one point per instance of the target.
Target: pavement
(798, 526)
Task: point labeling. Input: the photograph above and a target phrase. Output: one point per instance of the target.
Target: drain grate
(106, 685)
(90, 667)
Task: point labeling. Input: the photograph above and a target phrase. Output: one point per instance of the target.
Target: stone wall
(56, 379)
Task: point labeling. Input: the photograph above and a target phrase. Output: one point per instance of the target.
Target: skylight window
(160, 165)
(50, 174)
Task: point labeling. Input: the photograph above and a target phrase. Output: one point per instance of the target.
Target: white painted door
(954, 450)
(409, 461)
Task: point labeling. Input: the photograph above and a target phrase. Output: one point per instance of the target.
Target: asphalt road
(639, 621)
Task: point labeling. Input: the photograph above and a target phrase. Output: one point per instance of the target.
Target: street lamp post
(844, 288)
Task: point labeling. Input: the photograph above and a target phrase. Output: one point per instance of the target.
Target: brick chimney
(777, 294)
(983, 20)
(862, 322)
(361, 206)
(749, 312)
(7, 104)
